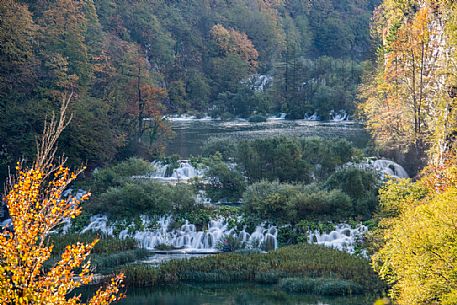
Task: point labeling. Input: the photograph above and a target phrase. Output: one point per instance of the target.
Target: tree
(417, 240)
(17, 61)
(230, 41)
(36, 204)
(406, 102)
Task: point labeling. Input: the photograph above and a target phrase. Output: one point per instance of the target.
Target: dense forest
(410, 107)
(124, 68)
(129, 63)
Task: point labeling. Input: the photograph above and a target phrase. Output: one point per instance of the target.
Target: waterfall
(343, 238)
(339, 116)
(384, 167)
(390, 168)
(313, 117)
(186, 238)
(162, 173)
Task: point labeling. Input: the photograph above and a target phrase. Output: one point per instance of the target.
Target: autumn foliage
(37, 206)
(407, 103)
(230, 41)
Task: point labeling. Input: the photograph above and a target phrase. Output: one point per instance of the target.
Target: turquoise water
(242, 294)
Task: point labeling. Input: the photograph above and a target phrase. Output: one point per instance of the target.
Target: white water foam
(343, 238)
(187, 238)
(386, 168)
(183, 173)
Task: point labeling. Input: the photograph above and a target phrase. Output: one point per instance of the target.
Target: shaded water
(191, 135)
(241, 294)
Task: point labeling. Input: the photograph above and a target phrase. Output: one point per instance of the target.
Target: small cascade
(339, 116)
(187, 238)
(260, 82)
(188, 118)
(279, 117)
(343, 238)
(390, 168)
(98, 223)
(163, 173)
(384, 167)
(313, 117)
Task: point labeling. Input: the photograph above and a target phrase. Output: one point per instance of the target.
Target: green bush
(321, 286)
(272, 277)
(257, 118)
(143, 197)
(107, 263)
(227, 148)
(270, 200)
(224, 183)
(285, 159)
(115, 175)
(319, 204)
(290, 203)
(360, 185)
(140, 275)
(106, 244)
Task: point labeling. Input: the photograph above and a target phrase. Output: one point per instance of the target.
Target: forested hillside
(410, 106)
(410, 98)
(128, 63)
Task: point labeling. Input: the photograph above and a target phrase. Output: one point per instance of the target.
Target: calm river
(191, 135)
(243, 294)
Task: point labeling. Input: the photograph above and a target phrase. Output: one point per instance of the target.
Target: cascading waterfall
(384, 167)
(390, 168)
(183, 173)
(343, 238)
(187, 238)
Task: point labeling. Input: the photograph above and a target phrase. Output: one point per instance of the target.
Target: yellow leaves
(419, 252)
(36, 207)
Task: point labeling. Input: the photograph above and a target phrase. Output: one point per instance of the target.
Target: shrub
(360, 185)
(115, 175)
(318, 204)
(144, 198)
(269, 200)
(140, 275)
(285, 159)
(321, 286)
(224, 183)
(106, 244)
(290, 203)
(226, 148)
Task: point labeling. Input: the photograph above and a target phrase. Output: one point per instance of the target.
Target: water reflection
(191, 135)
(243, 294)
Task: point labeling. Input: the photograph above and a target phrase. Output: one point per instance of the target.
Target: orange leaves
(231, 41)
(36, 207)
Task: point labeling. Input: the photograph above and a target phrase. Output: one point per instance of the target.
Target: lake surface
(241, 294)
(191, 135)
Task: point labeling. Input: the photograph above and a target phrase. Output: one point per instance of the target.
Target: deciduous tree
(36, 204)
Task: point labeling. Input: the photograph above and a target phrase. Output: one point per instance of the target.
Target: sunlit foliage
(409, 101)
(417, 238)
(37, 206)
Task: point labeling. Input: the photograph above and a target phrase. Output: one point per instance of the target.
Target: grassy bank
(291, 268)
(108, 254)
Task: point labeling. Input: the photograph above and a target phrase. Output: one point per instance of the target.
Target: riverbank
(322, 270)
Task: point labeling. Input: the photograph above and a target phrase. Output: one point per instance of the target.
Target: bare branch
(47, 144)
